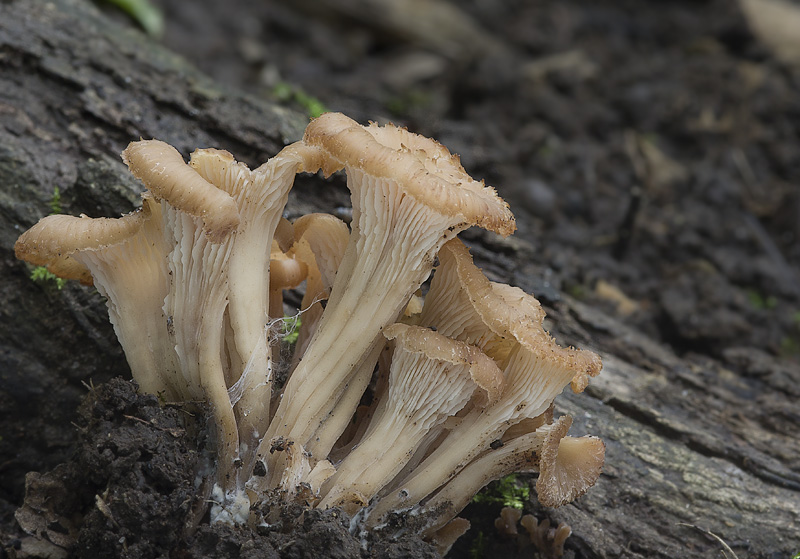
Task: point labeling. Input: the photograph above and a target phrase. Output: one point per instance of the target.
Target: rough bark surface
(691, 445)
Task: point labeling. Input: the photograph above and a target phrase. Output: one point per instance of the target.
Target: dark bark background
(650, 151)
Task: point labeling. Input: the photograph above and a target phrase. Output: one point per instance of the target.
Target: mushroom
(125, 259)
(409, 197)
(432, 377)
(506, 523)
(159, 166)
(193, 277)
(517, 455)
(507, 323)
(260, 196)
(568, 466)
(548, 541)
(285, 272)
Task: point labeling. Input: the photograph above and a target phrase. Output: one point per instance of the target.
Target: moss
(43, 276)
(288, 93)
(55, 201)
(478, 548)
(761, 301)
(143, 12)
(291, 328)
(508, 492)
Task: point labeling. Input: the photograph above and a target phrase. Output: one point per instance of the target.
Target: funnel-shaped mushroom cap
(464, 304)
(163, 171)
(568, 466)
(53, 240)
(425, 168)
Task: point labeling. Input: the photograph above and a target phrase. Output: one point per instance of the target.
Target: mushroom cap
(483, 369)
(425, 169)
(285, 271)
(54, 238)
(496, 317)
(568, 466)
(325, 236)
(164, 172)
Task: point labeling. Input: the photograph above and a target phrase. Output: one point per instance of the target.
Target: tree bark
(691, 446)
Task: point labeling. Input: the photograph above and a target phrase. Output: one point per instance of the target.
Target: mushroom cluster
(393, 404)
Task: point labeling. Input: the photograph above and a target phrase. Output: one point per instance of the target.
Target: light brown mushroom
(285, 272)
(125, 258)
(506, 523)
(568, 466)
(517, 455)
(159, 166)
(321, 242)
(260, 196)
(409, 197)
(432, 377)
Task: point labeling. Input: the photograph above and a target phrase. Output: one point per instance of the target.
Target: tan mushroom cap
(464, 304)
(164, 172)
(54, 238)
(426, 169)
(568, 466)
(326, 237)
(285, 272)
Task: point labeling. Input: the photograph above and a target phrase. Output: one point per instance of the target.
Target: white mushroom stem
(260, 196)
(431, 378)
(196, 305)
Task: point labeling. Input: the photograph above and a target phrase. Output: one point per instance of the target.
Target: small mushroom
(432, 377)
(568, 466)
(321, 242)
(285, 272)
(506, 523)
(517, 455)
